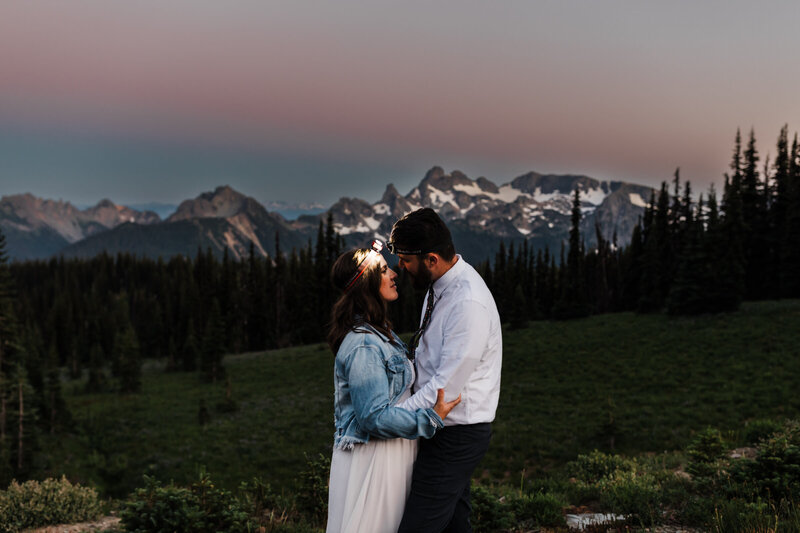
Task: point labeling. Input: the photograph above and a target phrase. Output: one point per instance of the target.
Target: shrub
(538, 509)
(597, 465)
(761, 429)
(312, 498)
(775, 471)
(273, 512)
(633, 495)
(707, 460)
(202, 507)
(52, 501)
(739, 515)
(489, 513)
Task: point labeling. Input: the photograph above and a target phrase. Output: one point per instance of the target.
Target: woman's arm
(369, 390)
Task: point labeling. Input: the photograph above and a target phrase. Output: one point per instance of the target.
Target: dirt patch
(105, 523)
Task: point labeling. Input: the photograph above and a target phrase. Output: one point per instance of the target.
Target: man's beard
(422, 279)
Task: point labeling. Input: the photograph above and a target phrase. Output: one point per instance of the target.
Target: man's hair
(423, 230)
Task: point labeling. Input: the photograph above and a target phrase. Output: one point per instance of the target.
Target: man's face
(416, 268)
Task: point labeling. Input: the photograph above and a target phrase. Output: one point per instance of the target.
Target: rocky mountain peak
(486, 185)
(390, 195)
(223, 202)
(438, 179)
(105, 203)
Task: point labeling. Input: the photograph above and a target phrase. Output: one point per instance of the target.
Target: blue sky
(310, 101)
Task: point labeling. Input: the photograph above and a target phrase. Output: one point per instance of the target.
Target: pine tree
(518, 316)
(12, 358)
(190, 350)
(128, 359)
(790, 257)
(213, 346)
(688, 293)
(756, 247)
(98, 381)
(728, 249)
(656, 256)
(572, 302)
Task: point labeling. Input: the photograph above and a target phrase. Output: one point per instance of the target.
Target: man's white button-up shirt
(461, 350)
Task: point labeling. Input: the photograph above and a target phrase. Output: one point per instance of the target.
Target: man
(458, 348)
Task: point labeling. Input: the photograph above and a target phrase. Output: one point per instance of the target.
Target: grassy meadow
(639, 383)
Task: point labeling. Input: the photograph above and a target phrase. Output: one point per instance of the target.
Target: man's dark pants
(439, 499)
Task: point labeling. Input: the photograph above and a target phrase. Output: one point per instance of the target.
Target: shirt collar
(441, 284)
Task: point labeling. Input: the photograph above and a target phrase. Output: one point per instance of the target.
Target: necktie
(425, 321)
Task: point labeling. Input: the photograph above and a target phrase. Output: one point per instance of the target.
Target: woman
(371, 477)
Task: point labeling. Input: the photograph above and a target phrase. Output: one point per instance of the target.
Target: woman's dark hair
(424, 230)
(361, 303)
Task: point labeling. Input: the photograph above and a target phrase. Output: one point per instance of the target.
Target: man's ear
(431, 260)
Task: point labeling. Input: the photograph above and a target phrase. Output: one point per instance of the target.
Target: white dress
(369, 485)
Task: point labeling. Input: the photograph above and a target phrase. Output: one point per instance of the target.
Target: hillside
(660, 380)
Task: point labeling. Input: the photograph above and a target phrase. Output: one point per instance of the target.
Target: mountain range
(533, 207)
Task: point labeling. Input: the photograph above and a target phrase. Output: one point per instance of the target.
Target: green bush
(498, 510)
(597, 465)
(631, 494)
(538, 509)
(271, 511)
(202, 507)
(312, 497)
(775, 471)
(707, 462)
(761, 429)
(740, 515)
(52, 501)
(489, 512)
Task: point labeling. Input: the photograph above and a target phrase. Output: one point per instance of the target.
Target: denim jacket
(370, 375)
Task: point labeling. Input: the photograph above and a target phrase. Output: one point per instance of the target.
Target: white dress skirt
(369, 485)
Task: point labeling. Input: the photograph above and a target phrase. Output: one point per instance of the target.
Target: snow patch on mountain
(371, 223)
(593, 196)
(637, 200)
(509, 194)
(531, 205)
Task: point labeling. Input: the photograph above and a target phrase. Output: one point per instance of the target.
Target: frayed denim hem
(348, 443)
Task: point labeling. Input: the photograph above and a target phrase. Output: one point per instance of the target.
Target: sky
(309, 101)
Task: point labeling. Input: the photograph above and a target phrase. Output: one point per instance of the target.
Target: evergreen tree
(689, 292)
(656, 257)
(790, 249)
(728, 250)
(12, 358)
(190, 350)
(573, 294)
(518, 312)
(756, 247)
(98, 381)
(213, 346)
(126, 360)
(129, 361)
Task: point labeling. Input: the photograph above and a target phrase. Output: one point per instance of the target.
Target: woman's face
(388, 285)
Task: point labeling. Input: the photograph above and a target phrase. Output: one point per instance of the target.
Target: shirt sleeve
(369, 390)
(466, 330)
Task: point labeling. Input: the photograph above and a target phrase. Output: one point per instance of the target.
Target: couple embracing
(412, 421)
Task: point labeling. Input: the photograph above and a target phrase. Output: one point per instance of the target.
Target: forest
(98, 320)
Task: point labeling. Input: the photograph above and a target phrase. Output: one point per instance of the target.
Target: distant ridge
(532, 207)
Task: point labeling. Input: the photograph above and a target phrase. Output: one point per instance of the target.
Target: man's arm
(466, 330)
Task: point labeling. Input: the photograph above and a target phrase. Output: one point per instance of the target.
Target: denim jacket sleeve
(369, 390)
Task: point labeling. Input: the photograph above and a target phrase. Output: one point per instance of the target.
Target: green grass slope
(638, 383)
